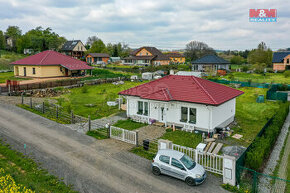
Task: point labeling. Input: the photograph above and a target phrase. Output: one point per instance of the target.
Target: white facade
(206, 117)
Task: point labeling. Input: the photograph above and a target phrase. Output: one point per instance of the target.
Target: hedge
(262, 146)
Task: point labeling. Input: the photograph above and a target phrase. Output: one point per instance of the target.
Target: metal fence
(53, 111)
(256, 182)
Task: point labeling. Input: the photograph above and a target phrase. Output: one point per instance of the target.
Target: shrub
(261, 147)
(85, 89)
(286, 74)
(245, 68)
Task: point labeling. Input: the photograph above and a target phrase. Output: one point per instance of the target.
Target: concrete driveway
(89, 165)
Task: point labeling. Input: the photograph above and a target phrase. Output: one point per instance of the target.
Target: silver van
(178, 165)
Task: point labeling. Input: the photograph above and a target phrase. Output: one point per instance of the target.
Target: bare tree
(91, 40)
(195, 50)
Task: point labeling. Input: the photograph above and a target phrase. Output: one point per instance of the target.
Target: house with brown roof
(97, 58)
(146, 56)
(176, 57)
(183, 101)
(74, 48)
(49, 64)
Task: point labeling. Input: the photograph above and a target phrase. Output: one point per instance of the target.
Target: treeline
(38, 39)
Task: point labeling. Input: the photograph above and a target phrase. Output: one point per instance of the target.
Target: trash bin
(146, 144)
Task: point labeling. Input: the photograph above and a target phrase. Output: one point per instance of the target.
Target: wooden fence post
(42, 107)
(72, 117)
(57, 111)
(89, 121)
(30, 102)
(22, 99)
(109, 131)
(137, 143)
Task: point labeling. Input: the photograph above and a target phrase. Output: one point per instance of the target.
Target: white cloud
(222, 24)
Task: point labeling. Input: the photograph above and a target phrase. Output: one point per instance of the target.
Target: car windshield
(187, 161)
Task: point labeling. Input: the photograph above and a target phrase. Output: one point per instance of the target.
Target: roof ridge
(48, 53)
(194, 78)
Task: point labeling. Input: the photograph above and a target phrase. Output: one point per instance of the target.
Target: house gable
(80, 47)
(144, 52)
(287, 60)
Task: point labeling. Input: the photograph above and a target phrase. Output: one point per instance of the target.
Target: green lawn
(98, 134)
(7, 57)
(9, 76)
(183, 138)
(93, 99)
(26, 172)
(129, 124)
(252, 116)
(259, 78)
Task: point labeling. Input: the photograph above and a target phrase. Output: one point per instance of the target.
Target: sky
(165, 24)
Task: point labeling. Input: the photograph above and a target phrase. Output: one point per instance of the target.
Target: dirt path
(280, 185)
(88, 164)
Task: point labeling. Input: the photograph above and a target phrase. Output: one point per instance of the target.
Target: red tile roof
(49, 58)
(185, 89)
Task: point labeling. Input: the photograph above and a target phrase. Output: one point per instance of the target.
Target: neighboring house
(210, 63)
(9, 42)
(176, 58)
(147, 56)
(49, 64)
(183, 101)
(74, 48)
(97, 58)
(28, 51)
(281, 61)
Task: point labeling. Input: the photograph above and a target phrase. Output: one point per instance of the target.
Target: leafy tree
(2, 40)
(40, 39)
(98, 46)
(13, 32)
(115, 51)
(195, 49)
(261, 55)
(118, 50)
(237, 60)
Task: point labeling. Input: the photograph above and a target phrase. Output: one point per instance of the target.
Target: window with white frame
(143, 108)
(188, 115)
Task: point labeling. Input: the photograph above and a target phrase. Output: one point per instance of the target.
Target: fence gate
(210, 162)
(123, 135)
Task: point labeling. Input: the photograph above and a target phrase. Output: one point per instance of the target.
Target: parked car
(178, 165)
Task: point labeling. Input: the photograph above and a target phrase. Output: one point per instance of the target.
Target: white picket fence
(123, 135)
(210, 162)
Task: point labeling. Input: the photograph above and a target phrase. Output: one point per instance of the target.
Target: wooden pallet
(207, 146)
(218, 148)
(159, 124)
(211, 147)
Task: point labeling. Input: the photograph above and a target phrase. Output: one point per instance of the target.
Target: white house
(184, 101)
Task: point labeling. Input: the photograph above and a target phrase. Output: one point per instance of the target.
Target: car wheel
(190, 181)
(156, 171)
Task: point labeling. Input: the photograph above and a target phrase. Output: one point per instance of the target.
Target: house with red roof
(183, 101)
(49, 64)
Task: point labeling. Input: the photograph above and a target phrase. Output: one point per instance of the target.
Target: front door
(66, 72)
(162, 114)
(24, 71)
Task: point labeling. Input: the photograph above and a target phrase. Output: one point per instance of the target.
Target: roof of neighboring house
(50, 57)
(139, 57)
(184, 88)
(210, 59)
(174, 55)
(158, 55)
(100, 55)
(70, 45)
(279, 56)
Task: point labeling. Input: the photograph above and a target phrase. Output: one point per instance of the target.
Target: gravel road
(89, 165)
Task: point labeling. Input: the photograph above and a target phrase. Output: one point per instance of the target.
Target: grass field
(129, 124)
(93, 99)
(26, 173)
(252, 116)
(9, 76)
(259, 78)
(7, 57)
